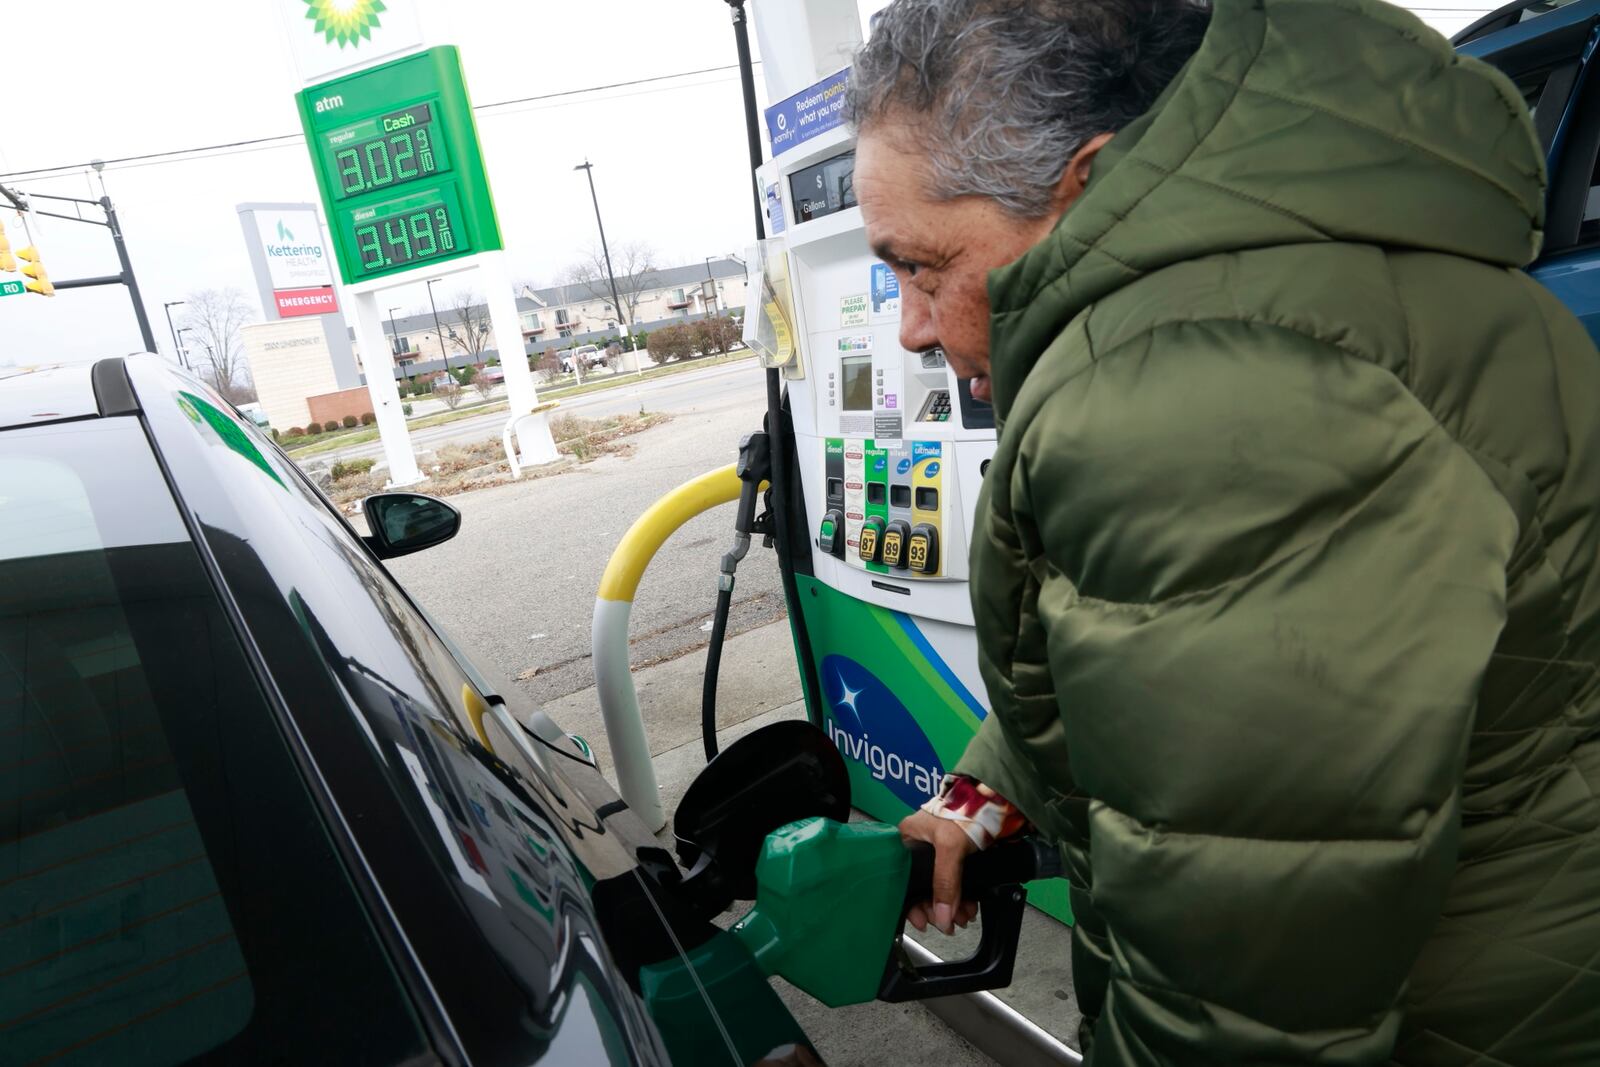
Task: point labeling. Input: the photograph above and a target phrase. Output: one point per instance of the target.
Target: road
(728, 382)
(517, 585)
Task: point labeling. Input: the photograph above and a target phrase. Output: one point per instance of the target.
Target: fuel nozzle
(754, 468)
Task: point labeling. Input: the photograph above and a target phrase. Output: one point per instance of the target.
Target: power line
(225, 147)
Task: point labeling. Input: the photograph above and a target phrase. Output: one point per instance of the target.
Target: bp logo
(870, 725)
(348, 22)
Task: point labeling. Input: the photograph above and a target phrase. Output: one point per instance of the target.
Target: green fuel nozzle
(831, 902)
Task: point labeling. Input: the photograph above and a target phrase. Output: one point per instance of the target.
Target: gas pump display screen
(855, 373)
(824, 188)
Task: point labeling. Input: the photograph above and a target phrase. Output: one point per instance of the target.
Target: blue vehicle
(1546, 48)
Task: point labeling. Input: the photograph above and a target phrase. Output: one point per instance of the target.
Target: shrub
(346, 468)
(405, 409)
(450, 394)
(483, 385)
(550, 365)
(464, 375)
(313, 428)
(671, 342)
(331, 425)
(297, 431)
(404, 389)
(423, 387)
(276, 436)
(368, 418)
(350, 422)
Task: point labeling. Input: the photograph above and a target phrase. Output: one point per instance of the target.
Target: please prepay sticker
(853, 311)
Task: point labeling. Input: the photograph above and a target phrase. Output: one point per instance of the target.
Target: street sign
(12, 288)
(395, 149)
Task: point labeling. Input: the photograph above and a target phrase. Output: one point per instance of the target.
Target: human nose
(917, 332)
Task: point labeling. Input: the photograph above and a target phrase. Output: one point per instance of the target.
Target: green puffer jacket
(1286, 571)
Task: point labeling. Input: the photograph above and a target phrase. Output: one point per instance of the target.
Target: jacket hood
(1297, 121)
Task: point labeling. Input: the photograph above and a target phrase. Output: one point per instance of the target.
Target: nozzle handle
(1010, 862)
(994, 879)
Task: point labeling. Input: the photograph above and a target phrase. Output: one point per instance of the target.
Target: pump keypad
(936, 408)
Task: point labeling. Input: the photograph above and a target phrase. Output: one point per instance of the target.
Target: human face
(943, 250)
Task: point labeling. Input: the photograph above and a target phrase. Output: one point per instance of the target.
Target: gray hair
(1003, 92)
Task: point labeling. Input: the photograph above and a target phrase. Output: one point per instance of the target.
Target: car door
(498, 920)
(169, 889)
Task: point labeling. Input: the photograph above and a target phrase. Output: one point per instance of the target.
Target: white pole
(533, 434)
(379, 365)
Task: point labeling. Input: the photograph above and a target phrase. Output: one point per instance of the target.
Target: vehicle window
(1531, 86)
(168, 892)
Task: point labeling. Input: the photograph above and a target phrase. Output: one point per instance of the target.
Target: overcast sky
(106, 79)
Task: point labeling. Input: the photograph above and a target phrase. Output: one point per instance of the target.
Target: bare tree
(450, 392)
(214, 316)
(633, 265)
(467, 324)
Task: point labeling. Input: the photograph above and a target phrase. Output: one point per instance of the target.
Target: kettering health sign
(302, 278)
(807, 113)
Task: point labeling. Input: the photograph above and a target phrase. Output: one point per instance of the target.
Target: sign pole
(534, 441)
(379, 365)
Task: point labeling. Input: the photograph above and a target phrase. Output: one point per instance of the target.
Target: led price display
(406, 231)
(386, 151)
(396, 153)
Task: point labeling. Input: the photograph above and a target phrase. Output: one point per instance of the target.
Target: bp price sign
(396, 155)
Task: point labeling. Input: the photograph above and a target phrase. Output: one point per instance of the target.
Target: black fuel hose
(708, 690)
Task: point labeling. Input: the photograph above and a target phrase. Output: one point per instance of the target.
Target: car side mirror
(402, 523)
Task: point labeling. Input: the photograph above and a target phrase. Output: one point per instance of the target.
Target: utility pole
(182, 348)
(438, 334)
(176, 351)
(394, 333)
(588, 169)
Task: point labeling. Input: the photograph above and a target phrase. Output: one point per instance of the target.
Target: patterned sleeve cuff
(985, 815)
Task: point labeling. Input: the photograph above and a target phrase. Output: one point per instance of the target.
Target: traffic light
(38, 281)
(7, 260)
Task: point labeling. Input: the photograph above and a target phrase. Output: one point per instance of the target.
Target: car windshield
(168, 892)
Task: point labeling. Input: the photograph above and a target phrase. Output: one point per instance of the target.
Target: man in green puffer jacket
(1287, 567)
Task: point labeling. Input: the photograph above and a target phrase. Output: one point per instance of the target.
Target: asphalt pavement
(517, 585)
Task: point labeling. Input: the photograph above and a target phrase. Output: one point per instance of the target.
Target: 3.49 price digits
(401, 239)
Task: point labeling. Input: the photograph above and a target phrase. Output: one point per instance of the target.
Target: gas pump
(888, 446)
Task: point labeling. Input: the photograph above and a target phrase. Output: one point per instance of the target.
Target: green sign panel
(396, 153)
(12, 289)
